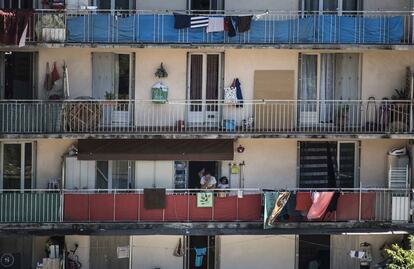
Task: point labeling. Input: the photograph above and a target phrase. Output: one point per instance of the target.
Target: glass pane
(101, 175)
(124, 73)
(28, 166)
(104, 4)
(346, 165)
(120, 175)
(200, 4)
(309, 86)
(330, 5)
(11, 166)
(121, 4)
(350, 5)
(311, 5)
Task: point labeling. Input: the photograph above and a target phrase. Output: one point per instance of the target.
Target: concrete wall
(269, 163)
(384, 71)
(155, 251)
(342, 244)
(49, 159)
(282, 5)
(83, 250)
(247, 251)
(374, 168)
(395, 5)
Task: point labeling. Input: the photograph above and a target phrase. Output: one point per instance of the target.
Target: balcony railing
(183, 205)
(206, 117)
(267, 27)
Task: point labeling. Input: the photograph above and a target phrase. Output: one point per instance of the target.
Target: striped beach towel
(199, 21)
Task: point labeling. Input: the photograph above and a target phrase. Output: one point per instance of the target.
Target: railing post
(360, 203)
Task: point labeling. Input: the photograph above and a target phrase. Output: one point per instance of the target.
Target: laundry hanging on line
(14, 26)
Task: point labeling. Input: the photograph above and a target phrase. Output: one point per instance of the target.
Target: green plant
(161, 72)
(401, 94)
(400, 258)
(110, 96)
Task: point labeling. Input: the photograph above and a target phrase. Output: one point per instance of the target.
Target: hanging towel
(154, 198)
(200, 252)
(303, 201)
(14, 27)
(199, 21)
(239, 93)
(320, 203)
(48, 80)
(55, 73)
(179, 250)
(230, 26)
(279, 204)
(243, 23)
(182, 21)
(215, 24)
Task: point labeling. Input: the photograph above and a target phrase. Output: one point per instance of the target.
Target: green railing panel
(30, 207)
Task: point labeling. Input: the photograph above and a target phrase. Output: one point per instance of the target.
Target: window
(114, 175)
(114, 4)
(17, 165)
(203, 6)
(200, 252)
(24, 4)
(328, 164)
(330, 6)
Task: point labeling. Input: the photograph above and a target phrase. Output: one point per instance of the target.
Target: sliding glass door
(328, 88)
(17, 166)
(112, 175)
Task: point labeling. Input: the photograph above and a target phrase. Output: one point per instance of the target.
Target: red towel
(320, 203)
(303, 201)
(55, 73)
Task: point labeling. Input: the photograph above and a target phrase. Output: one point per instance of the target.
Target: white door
(203, 89)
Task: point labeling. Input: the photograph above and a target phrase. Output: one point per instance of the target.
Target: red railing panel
(225, 208)
(76, 207)
(102, 207)
(250, 207)
(176, 209)
(126, 207)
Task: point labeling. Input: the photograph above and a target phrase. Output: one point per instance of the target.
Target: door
(329, 89)
(200, 252)
(104, 252)
(112, 78)
(314, 251)
(17, 166)
(205, 6)
(330, 6)
(203, 91)
(113, 175)
(194, 169)
(328, 164)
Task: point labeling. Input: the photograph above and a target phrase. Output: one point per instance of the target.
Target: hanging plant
(161, 72)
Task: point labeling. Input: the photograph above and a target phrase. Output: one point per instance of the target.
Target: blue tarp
(308, 30)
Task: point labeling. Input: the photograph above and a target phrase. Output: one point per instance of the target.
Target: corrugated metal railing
(30, 206)
(268, 27)
(42, 206)
(206, 117)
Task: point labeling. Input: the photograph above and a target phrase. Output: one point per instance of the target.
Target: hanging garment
(182, 21)
(239, 93)
(14, 27)
(320, 203)
(154, 198)
(179, 250)
(200, 253)
(230, 95)
(48, 84)
(278, 206)
(230, 26)
(66, 92)
(215, 24)
(303, 201)
(243, 23)
(55, 74)
(198, 22)
(334, 202)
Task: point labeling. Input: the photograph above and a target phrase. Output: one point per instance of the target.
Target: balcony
(268, 28)
(136, 118)
(369, 205)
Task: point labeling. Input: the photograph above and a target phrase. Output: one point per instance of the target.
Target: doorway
(17, 74)
(112, 78)
(194, 168)
(201, 252)
(204, 78)
(314, 250)
(17, 166)
(329, 85)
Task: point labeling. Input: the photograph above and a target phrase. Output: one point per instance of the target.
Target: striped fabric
(199, 21)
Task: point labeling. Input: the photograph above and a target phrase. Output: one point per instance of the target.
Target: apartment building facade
(104, 102)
